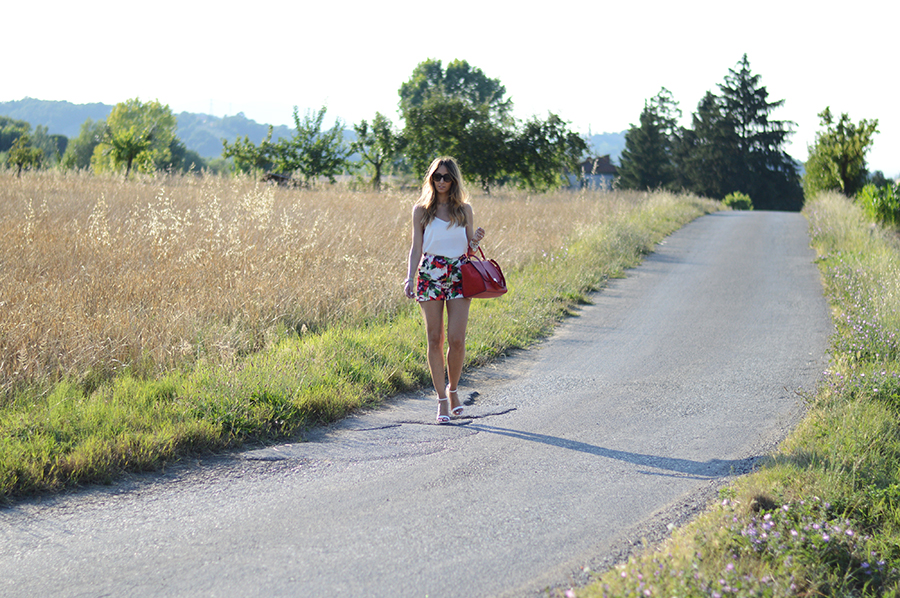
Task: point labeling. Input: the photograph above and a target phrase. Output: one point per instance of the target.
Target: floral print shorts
(440, 278)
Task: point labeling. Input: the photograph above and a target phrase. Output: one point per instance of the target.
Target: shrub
(738, 201)
(881, 204)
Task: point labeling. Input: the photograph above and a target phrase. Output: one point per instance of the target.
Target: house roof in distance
(601, 165)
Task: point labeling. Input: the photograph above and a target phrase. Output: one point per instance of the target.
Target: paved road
(632, 415)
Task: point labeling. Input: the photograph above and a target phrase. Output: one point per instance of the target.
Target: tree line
(136, 135)
(457, 110)
(735, 148)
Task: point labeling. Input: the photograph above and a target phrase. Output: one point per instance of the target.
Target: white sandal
(443, 419)
(458, 410)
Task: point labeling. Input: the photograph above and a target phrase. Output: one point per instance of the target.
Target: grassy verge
(822, 518)
(74, 433)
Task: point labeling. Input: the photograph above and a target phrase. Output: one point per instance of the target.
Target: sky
(592, 63)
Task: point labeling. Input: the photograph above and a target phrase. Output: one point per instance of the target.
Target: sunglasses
(438, 177)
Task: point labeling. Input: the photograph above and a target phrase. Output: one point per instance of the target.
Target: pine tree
(646, 162)
(708, 158)
(766, 172)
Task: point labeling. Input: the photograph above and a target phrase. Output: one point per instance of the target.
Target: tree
(644, 163)
(837, 159)
(249, 157)
(136, 134)
(59, 143)
(485, 150)
(707, 159)
(10, 130)
(377, 145)
(459, 112)
(766, 172)
(23, 155)
(463, 113)
(452, 126)
(442, 125)
(543, 150)
(461, 81)
(310, 150)
(667, 114)
(647, 162)
(49, 144)
(80, 149)
(878, 179)
(183, 159)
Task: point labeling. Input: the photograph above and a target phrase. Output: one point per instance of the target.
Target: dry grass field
(100, 273)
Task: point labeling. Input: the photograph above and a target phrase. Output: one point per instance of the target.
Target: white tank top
(444, 241)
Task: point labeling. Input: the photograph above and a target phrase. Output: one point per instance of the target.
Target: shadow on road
(682, 468)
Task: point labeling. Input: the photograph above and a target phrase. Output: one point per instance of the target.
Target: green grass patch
(75, 433)
(822, 516)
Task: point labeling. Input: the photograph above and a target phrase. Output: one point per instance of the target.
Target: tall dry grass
(97, 274)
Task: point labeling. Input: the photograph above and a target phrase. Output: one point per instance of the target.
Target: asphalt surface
(569, 455)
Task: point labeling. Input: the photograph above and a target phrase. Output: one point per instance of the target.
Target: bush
(738, 201)
(881, 204)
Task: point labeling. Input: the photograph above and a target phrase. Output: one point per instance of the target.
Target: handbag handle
(471, 253)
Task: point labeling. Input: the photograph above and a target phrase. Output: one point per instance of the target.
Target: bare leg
(457, 320)
(433, 311)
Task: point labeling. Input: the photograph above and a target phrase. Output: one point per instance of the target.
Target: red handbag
(482, 278)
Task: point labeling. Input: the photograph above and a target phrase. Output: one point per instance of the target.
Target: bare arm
(415, 250)
(473, 235)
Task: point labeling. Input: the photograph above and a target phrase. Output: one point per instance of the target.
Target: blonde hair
(458, 196)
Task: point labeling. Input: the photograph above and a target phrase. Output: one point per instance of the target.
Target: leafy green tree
(312, 151)
(459, 80)
(461, 112)
(837, 159)
(10, 130)
(457, 111)
(23, 155)
(47, 143)
(543, 150)
(441, 125)
(59, 144)
(183, 159)
(447, 125)
(378, 145)
(249, 157)
(80, 149)
(878, 179)
(487, 152)
(136, 134)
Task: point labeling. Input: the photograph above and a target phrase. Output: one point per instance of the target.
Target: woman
(442, 232)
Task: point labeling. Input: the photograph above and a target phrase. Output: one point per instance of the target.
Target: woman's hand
(476, 237)
(408, 288)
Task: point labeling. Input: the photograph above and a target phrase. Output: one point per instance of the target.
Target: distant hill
(60, 118)
(199, 132)
(203, 133)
